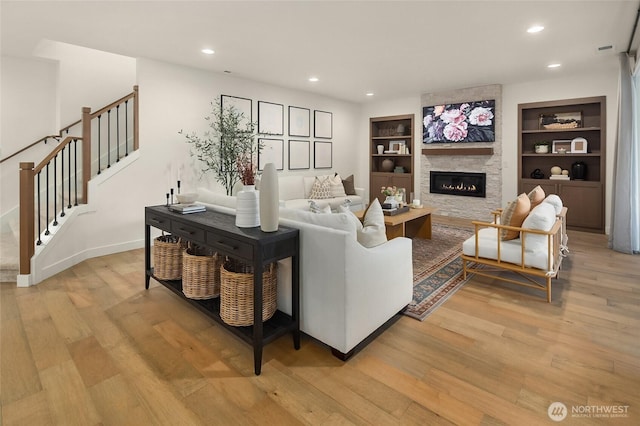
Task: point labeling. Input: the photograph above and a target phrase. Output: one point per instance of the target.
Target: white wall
(173, 98)
(27, 113)
(576, 86)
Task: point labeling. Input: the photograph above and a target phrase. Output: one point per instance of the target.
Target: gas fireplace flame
(460, 187)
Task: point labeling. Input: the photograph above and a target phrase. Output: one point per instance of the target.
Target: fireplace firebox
(458, 183)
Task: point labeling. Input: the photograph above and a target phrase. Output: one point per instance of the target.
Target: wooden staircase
(59, 182)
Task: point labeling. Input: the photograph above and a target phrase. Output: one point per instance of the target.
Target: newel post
(86, 152)
(27, 221)
(136, 127)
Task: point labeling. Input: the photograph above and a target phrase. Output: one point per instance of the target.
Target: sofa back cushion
(542, 217)
(216, 198)
(291, 187)
(338, 221)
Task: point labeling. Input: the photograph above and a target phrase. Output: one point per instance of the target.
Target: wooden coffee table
(414, 223)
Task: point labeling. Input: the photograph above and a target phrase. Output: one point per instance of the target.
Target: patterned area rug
(437, 269)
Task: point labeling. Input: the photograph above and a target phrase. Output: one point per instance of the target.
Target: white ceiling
(391, 48)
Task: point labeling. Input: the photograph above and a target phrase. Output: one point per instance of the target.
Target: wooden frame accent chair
(535, 256)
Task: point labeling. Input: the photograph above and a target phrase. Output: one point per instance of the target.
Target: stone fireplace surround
(477, 208)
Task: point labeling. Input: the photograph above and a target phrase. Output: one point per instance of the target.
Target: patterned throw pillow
(514, 215)
(315, 208)
(321, 189)
(536, 196)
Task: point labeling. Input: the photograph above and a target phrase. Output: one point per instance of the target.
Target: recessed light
(535, 29)
(553, 65)
(313, 79)
(369, 94)
(208, 51)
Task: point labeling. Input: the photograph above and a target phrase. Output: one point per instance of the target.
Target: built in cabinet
(394, 166)
(563, 121)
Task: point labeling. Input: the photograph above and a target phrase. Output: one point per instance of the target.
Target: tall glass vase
(269, 199)
(247, 210)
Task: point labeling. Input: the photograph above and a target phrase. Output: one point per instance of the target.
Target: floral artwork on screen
(464, 122)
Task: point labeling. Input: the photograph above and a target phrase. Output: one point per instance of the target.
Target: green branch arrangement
(231, 141)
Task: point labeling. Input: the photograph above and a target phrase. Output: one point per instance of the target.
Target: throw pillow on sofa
(536, 196)
(315, 208)
(349, 185)
(542, 217)
(373, 232)
(555, 201)
(321, 188)
(514, 215)
(337, 189)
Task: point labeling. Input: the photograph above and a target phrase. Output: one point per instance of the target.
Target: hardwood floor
(91, 346)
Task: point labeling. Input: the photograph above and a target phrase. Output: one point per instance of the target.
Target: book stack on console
(559, 177)
(187, 208)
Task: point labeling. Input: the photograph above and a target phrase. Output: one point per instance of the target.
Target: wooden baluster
(86, 152)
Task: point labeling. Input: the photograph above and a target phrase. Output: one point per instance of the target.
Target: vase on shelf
(269, 199)
(247, 210)
(578, 170)
(387, 165)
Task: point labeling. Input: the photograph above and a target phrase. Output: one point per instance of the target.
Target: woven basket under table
(201, 273)
(236, 294)
(167, 257)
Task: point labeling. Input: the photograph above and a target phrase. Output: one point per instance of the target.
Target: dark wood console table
(219, 232)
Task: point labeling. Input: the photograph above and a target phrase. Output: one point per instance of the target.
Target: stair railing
(34, 178)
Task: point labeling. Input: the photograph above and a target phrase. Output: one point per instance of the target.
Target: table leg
(419, 227)
(257, 313)
(295, 292)
(147, 255)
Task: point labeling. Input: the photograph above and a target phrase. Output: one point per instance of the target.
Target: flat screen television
(463, 122)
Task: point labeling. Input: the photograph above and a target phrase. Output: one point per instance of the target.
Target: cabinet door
(584, 203)
(527, 185)
(377, 181)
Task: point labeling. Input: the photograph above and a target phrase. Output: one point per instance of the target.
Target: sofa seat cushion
(510, 250)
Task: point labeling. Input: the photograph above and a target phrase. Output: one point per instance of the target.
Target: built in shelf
(457, 151)
(576, 129)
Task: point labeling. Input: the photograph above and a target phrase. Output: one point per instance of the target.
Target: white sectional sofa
(347, 291)
(295, 190)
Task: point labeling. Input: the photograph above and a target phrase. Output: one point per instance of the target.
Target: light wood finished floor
(91, 346)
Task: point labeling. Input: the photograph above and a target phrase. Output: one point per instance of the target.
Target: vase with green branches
(231, 137)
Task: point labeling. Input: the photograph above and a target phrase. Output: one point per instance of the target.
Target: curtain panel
(625, 217)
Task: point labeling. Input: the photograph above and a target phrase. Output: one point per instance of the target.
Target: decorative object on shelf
(579, 170)
(560, 120)
(247, 210)
(380, 149)
(561, 146)
(187, 197)
(201, 272)
(236, 293)
(398, 169)
(537, 174)
(400, 129)
(541, 148)
(269, 199)
(387, 165)
(397, 146)
(579, 145)
(400, 196)
(231, 135)
(556, 170)
(464, 122)
(565, 172)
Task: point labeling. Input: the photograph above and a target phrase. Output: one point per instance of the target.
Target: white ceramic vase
(247, 207)
(269, 199)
